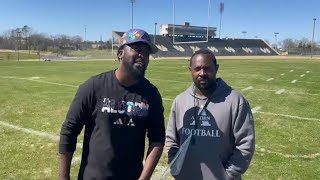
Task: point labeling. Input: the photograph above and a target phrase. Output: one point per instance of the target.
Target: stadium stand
(220, 47)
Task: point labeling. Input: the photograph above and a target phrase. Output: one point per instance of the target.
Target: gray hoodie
(223, 136)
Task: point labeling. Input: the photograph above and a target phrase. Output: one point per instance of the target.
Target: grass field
(35, 96)
(14, 55)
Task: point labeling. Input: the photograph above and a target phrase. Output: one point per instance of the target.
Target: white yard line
(265, 90)
(280, 91)
(289, 116)
(30, 131)
(307, 72)
(302, 75)
(53, 70)
(270, 79)
(291, 70)
(255, 109)
(263, 150)
(310, 94)
(47, 82)
(33, 132)
(309, 156)
(294, 81)
(282, 74)
(166, 99)
(161, 168)
(247, 88)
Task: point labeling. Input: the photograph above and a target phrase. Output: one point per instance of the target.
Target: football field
(284, 96)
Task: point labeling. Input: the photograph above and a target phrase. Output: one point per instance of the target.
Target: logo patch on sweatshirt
(203, 125)
(203, 118)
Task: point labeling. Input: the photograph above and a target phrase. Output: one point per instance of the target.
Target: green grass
(287, 147)
(94, 53)
(15, 55)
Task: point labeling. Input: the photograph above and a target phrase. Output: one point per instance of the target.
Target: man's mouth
(203, 80)
(140, 64)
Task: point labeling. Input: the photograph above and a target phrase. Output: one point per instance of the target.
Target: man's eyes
(140, 50)
(204, 69)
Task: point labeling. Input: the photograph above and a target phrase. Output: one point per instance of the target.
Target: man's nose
(202, 72)
(143, 54)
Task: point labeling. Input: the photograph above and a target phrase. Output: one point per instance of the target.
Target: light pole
(85, 33)
(29, 43)
(19, 43)
(275, 39)
(85, 37)
(132, 2)
(314, 26)
(221, 12)
(155, 33)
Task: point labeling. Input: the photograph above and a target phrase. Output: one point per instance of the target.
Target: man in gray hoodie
(210, 128)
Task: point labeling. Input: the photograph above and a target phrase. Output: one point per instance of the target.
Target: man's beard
(133, 71)
(207, 87)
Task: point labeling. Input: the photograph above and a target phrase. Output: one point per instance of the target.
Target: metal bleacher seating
(220, 47)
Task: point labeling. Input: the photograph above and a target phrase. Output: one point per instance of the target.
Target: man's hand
(153, 156)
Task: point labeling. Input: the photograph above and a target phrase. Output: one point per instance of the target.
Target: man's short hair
(204, 51)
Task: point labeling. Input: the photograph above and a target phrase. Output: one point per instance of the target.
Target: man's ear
(217, 67)
(120, 54)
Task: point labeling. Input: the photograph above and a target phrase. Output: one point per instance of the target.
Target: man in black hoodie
(117, 108)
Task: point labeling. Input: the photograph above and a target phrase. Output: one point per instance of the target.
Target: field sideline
(283, 94)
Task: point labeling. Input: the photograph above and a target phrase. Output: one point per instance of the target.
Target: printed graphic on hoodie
(203, 124)
(126, 111)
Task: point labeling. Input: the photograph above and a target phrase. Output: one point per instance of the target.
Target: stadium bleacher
(220, 47)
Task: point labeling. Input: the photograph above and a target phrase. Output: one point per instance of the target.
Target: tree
(26, 31)
(288, 44)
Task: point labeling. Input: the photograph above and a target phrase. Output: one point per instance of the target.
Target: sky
(261, 18)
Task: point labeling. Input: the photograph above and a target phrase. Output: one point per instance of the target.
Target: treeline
(25, 38)
(303, 46)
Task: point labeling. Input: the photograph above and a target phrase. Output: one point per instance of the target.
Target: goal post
(179, 31)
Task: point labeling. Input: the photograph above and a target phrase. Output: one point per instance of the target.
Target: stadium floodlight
(132, 2)
(221, 12)
(85, 33)
(312, 43)
(85, 37)
(174, 19)
(275, 39)
(155, 32)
